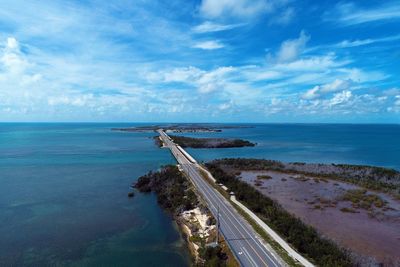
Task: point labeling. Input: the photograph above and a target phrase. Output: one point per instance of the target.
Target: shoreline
(177, 196)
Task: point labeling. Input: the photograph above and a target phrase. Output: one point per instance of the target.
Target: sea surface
(361, 144)
(63, 187)
(63, 198)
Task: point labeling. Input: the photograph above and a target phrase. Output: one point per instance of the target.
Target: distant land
(181, 128)
(184, 141)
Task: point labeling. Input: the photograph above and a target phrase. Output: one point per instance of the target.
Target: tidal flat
(368, 223)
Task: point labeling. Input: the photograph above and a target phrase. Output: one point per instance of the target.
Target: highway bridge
(244, 242)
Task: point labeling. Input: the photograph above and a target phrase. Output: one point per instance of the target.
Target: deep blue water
(321, 143)
(63, 193)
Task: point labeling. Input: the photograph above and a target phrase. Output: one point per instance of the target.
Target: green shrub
(304, 238)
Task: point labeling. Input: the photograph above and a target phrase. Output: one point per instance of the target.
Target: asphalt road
(244, 242)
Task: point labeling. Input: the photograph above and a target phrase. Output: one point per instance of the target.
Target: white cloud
(209, 45)
(205, 81)
(355, 43)
(213, 80)
(224, 106)
(12, 59)
(78, 101)
(234, 8)
(291, 49)
(12, 44)
(314, 63)
(392, 92)
(257, 74)
(340, 98)
(397, 102)
(350, 14)
(312, 93)
(183, 74)
(16, 72)
(209, 26)
(335, 86)
(360, 76)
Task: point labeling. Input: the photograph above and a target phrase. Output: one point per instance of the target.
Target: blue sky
(200, 61)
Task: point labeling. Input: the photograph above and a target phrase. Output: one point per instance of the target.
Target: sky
(200, 61)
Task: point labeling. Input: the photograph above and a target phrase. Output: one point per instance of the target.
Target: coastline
(177, 196)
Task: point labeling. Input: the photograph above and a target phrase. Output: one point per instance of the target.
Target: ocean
(63, 193)
(361, 144)
(63, 198)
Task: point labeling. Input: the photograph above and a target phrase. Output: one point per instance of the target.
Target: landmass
(181, 128)
(375, 178)
(336, 214)
(184, 141)
(176, 195)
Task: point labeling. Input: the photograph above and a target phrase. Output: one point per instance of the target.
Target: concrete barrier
(274, 235)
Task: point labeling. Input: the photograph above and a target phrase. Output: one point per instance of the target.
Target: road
(244, 242)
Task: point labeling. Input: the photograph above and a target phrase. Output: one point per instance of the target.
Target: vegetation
(174, 128)
(360, 199)
(348, 210)
(172, 188)
(375, 178)
(251, 164)
(264, 177)
(302, 178)
(258, 183)
(175, 194)
(184, 141)
(182, 127)
(212, 256)
(302, 237)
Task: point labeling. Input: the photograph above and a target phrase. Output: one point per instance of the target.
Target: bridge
(245, 243)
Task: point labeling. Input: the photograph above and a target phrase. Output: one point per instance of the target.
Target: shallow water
(63, 193)
(63, 198)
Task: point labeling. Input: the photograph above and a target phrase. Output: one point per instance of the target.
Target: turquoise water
(63, 193)
(377, 145)
(63, 199)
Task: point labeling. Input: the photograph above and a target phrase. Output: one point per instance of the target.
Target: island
(336, 214)
(182, 128)
(184, 141)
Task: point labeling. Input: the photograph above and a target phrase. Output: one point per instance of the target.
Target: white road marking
(225, 208)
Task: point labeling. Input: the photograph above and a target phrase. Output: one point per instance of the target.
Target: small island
(184, 141)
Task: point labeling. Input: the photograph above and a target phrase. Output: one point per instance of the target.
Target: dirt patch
(364, 221)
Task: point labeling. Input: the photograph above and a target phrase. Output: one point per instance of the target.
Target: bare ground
(369, 228)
